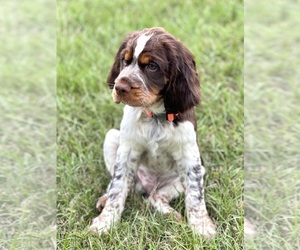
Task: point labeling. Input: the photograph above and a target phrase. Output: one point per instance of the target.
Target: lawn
(272, 118)
(28, 125)
(88, 36)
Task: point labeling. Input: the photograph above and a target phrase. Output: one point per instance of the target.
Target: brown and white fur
(155, 151)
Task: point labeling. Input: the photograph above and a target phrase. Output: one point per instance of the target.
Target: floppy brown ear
(116, 68)
(183, 89)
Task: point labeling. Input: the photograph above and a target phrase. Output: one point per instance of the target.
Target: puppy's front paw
(99, 226)
(205, 228)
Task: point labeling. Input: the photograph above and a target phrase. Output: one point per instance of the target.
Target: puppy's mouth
(130, 97)
(136, 97)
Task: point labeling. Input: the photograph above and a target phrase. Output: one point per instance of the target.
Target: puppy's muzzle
(123, 86)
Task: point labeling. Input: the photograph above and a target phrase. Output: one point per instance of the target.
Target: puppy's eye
(152, 66)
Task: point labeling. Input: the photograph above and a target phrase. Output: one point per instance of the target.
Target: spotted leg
(110, 148)
(119, 186)
(195, 204)
(191, 174)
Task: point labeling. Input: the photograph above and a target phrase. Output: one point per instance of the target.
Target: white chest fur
(161, 144)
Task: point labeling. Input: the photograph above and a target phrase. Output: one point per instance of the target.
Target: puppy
(155, 151)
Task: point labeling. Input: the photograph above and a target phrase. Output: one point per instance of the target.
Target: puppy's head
(151, 65)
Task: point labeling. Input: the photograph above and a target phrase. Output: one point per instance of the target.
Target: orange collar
(168, 117)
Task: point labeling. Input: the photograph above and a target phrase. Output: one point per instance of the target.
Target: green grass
(272, 118)
(28, 122)
(89, 34)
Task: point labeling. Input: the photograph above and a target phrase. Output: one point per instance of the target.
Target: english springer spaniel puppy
(155, 151)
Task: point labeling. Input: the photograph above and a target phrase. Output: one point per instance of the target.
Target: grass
(272, 117)
(28, 122)
(89, 34)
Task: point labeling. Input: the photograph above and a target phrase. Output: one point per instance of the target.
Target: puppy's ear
(183, 90)
(116, 68)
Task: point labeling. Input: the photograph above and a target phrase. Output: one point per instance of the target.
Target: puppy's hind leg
(110, 148)
(159, 199)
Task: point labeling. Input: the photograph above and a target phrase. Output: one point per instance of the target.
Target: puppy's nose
(122, 87)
